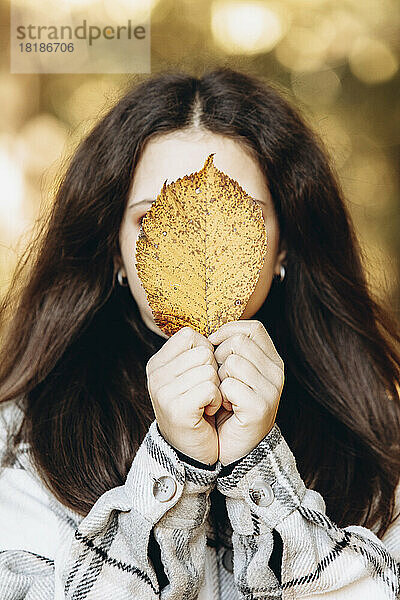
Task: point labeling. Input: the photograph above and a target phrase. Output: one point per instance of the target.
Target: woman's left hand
(252, 378)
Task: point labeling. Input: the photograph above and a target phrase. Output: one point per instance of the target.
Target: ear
(118, 264)
(280, 257)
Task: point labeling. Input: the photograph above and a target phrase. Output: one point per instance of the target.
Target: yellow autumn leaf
(200, 251)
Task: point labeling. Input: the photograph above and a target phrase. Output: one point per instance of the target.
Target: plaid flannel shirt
(49, 552)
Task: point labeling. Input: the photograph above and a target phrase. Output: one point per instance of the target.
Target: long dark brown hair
(75, 347)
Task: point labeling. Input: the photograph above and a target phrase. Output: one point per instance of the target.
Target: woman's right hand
(183, 383)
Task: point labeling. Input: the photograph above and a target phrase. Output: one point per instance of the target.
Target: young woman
(260, 462)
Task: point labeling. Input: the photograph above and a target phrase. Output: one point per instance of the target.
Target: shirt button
(261, 492)
(164, 488)
(227, 560)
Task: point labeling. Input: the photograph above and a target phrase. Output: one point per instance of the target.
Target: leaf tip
(209, 161)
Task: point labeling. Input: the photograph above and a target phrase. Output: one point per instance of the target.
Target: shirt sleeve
(264, 492)
(105, 555)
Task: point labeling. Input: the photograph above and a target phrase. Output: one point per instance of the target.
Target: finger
(242, 370)
(185, 382)
(222, 375)
(186, 361)
(215, 404)
(243, 347)
(184, 339)
(254, 330)
(246, 405)
(198, 398)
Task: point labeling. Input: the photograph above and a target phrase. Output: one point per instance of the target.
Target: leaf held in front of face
(200, 251)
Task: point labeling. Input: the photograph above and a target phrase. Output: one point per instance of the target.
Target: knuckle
(213, 390)
(231, 361)
(150, 380)
(162, 395)
(226, 382)
(258, 326)
(187, 332)
(215, 378)
(154, 379)
(208, 388)
(279, 377)
(213, 387)
(241, 338)
(273, 388)
(209, 371)
(208, 354)
(149, 365)
(201, 353)
(277, 372)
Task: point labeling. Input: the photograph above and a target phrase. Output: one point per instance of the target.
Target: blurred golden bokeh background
(337, 60)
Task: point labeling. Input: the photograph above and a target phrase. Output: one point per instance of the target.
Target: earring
(121, 279)
(281, 275)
